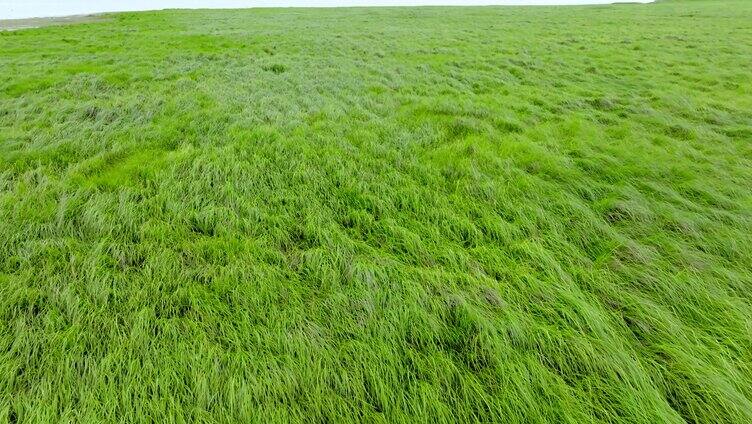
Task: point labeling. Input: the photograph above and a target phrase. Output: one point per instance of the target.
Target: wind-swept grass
(379, 215)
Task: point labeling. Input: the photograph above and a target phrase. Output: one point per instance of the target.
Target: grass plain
(379, 215)
(17, 24)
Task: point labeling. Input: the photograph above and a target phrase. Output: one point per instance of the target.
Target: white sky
(15, 9)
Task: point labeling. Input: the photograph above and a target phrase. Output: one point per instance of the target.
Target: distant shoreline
(29, 23)
(43, 20)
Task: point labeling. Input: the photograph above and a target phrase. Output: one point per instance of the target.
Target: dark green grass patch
(379, 215)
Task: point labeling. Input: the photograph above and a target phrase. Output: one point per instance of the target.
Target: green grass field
(420, 215)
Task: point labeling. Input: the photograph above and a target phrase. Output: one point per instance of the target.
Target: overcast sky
(14, 9)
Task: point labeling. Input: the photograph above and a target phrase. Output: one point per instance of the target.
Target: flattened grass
(379, 215)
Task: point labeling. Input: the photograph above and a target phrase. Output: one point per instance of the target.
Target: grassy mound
(379, 215)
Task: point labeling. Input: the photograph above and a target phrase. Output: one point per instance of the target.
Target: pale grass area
(19, 9)
(17, 24)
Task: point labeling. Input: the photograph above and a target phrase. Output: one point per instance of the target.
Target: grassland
(17, 24)
(379, 215)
